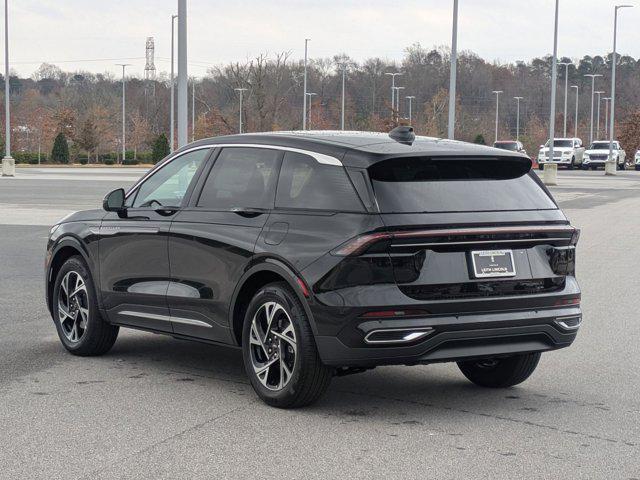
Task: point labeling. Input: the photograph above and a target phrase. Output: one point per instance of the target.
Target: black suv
(326, 253)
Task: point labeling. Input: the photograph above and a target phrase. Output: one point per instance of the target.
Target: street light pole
(193, 110)
(497, 93)
(410, 98)
(393, 90)
(398, 101)
(613, 87)
(124, 118)
(554, 81)
(566, 90)
(593, 88)
(309, 95)
(598, 93)
(304, 88)
(173, 101)
(518, 117)
(344, 73)
(8, 163)
(606, 116)
(240, 91)
(183, 80)
(575, 124)
(452, 74)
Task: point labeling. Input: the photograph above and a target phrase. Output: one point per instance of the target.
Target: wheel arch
(64, 249)
(268, 271)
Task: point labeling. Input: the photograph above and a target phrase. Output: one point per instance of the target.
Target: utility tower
(149, 73)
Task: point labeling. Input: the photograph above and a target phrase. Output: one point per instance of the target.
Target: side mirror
(114, 201)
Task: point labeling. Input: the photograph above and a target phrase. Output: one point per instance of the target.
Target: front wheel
(573, 163)
(621, 166)
(279, 350)
(80, 326)
(500, 372)
(540, 166)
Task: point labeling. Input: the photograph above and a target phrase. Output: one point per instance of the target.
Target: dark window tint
(306, 183)
(168, 186)
(456, 185)
(512, 146)
(241, 177)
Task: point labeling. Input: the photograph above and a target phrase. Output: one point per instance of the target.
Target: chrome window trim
(319, 157)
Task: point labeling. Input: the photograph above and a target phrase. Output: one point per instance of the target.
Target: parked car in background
(566, 151)
(511, 145)
(326, 253)
(637, 160)
(598, 153)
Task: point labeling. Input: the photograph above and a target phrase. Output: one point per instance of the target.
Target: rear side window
(305, 183)
(422, 184)
(241, 177)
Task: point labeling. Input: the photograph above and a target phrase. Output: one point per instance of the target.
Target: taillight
(575, 237)
(359, 244)
(562, 260)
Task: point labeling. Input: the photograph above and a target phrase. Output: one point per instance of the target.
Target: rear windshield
(423, 184)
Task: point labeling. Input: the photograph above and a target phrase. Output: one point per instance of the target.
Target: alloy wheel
(273, 346)
(73, 306)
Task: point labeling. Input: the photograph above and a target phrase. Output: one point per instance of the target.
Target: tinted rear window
(419, 184)
(305, 183)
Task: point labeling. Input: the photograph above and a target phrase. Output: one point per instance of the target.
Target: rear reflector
(395, 313)
(568, 301)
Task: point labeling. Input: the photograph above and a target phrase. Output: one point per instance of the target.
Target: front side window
(241, 178)
(168, 186)
(307, 184)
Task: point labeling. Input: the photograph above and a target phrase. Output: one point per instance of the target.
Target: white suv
(598, 154)
(566, 151)
(637, 160)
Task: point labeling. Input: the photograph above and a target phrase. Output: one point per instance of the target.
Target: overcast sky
(93, 35)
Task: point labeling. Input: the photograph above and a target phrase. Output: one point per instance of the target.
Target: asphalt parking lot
(156, 407)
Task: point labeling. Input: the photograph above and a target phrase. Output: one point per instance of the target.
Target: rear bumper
(458, 337)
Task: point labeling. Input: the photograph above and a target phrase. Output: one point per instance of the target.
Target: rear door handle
(249, 212)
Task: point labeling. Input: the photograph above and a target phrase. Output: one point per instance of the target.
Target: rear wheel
(80, 326)
(279, 350)
(500, 372)
(573, 163)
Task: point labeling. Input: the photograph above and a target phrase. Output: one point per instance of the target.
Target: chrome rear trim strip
(412, 335)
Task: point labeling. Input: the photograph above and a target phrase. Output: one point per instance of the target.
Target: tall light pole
(606, 116)
(393, 90)
(593, 88)
(566, 91)
(124, 117)
(575, 121)
(410, 98)
(183, 80)
(304, 86)
(599, 94)
(8, 163)
(309, 95)
(497, 94)
(518, 117)
(452, 73)
(240, 91)
(193, 109)
(554, 81)
(173, 82)
(398, 101)
(613, 85)
(344, 74)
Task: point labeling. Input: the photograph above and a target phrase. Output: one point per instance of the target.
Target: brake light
(360, 244)
(575, 237)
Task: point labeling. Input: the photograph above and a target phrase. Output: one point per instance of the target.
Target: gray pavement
(156, 407)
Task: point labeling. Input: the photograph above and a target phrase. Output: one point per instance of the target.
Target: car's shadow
(386, 391)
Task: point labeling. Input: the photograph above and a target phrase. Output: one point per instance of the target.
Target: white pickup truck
(598, 153)
(566, 151)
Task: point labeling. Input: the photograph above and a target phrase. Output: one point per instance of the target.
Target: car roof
(360, 149)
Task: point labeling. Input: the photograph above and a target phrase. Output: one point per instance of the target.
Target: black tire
(98, 336)
(309, 377)
(540, 166)
(621, 166)
(500, 372)
(573, 163)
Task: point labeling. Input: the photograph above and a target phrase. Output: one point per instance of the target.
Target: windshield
(602, 146)
(560, 143)
(512, 146)
(423, 184)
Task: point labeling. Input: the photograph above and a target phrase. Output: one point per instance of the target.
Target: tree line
(84, 109)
